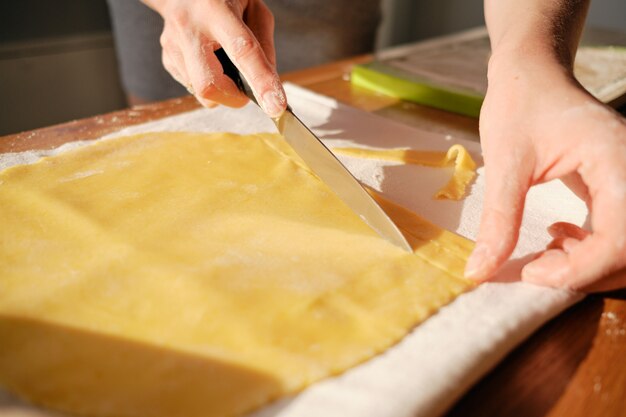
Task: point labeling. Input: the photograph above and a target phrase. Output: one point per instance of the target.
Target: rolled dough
(174, 274)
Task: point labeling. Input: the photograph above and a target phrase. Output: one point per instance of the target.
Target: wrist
(527, 62)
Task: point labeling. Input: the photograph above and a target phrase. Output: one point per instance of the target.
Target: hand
(537, 124)
(194, 29)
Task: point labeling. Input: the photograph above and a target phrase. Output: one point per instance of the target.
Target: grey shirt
(312, 32)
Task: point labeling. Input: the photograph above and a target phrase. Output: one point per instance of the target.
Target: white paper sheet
(439, 360)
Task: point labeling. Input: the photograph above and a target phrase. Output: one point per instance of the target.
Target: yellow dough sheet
(457, 155)
(198, 275)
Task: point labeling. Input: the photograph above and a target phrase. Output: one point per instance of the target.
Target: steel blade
(330, 170)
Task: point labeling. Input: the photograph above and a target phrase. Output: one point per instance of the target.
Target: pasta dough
(173, 274)
(464, 165)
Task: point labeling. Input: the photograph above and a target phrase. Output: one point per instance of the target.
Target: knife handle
(231, 71)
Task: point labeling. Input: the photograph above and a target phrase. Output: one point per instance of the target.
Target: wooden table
(575, 365)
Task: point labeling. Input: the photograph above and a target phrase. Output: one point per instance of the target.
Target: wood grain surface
(575, 365)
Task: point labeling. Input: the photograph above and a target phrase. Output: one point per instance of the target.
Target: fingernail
(555, 230)
(273, 103)
(477, 263)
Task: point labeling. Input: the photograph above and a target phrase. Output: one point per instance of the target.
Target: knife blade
(333, 173)
(326, 165)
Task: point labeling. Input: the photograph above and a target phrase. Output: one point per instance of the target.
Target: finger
(174, 63)
(209, 104)
(176, 67)
(247, 54)
(540, 269)
(615, 281)
(505, 194)
(598, 254)
(592, 258)
(566, 244)
(260, 20)
(173, 60)
(170, 66)
(206, 73)
(575, 183)
(567, 230)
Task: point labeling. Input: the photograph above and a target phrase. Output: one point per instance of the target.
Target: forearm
(544, 30)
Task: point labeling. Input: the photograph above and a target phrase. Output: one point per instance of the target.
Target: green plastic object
(384, 79)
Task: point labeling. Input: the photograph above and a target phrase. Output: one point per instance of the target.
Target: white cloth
(439, 360)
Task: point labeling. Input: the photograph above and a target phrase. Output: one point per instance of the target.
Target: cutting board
(450, 72)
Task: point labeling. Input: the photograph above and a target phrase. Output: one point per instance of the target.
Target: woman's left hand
(537, 124)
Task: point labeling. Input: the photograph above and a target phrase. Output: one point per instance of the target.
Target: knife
(325, 165)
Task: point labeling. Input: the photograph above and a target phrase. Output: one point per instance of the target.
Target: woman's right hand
(195, 29)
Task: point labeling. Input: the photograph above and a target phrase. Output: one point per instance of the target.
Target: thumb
(505, 193)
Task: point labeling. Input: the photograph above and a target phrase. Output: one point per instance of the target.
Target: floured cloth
(436, 363)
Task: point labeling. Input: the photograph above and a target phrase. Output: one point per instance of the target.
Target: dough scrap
(188, 275)
(464, 165)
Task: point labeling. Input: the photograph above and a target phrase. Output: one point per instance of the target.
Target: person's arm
(536, 29)
(537, 124)
(194, 29)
